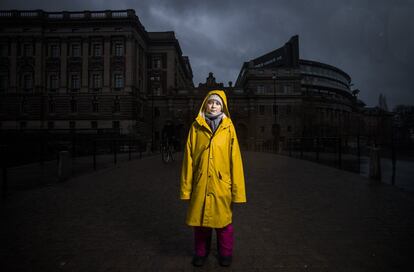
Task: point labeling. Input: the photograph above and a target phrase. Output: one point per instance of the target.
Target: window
(3, 82)
(94, 124)
(73, 106)
(118, 81)
(53, 82)
(75, 50)
(115, 124)
(260, 89)
(156, 90)
(27, 81)
(75, 82)
(27, 50)
(51, 106)
(288, 109)
(96, 81)
(119, 49)
(97, 50)
(50, 125)
(156, 63)
(289, 128)
(54, 51)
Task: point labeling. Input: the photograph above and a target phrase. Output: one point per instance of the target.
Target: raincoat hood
(201, 118)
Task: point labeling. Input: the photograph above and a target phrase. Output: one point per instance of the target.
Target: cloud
(372, 41)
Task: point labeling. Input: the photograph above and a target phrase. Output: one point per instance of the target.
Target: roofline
(324, 65)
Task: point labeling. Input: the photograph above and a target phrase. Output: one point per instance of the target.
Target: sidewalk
(300, 216)
(35, 175)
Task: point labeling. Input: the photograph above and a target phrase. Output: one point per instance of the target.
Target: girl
(212, 178)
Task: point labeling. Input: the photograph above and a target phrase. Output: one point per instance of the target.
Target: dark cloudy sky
(373, 41)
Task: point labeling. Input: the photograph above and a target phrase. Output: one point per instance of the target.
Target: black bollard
(339, 152)
(317, 149)
(4, 185)
(94, 155)
(375, 165)
(115, 158)
(129, 150)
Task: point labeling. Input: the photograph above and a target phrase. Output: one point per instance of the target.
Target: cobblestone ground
(300, 216)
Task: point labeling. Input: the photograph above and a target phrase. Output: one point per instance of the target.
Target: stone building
(94, 70)
(286, 97)
(102, 71)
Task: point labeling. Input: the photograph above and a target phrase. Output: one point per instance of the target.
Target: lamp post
(152, 117)
(275, 126)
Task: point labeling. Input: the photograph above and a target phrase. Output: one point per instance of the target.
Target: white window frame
(96, 81)
(27, 50)
(27, 81)
(53, 82)
(97, 50)
(75, 50)
(119, 49)
(75, 82)
(54, 51)
(118, 81)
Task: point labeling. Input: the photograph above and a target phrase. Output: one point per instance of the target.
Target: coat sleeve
(186, 180)
(237, 174)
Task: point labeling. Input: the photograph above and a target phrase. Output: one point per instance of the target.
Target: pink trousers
(202, 239)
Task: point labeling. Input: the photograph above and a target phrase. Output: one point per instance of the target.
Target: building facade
(85, 70)
(101, 70)
(292, 97)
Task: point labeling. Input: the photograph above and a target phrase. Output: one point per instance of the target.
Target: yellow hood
(200, 117)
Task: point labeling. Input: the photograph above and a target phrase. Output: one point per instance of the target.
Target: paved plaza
(300, 216)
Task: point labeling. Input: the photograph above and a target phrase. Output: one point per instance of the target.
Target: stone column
(129, 57)
(38, 71)
(85, 68)
(63, 65)
(107, 65)
(13, 65)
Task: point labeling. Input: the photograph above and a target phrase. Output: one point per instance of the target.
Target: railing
(33, 159)
(388, 162)
(76, 15)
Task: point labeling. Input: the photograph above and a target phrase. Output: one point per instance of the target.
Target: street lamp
(274, 95)
(152, 117)
(275, 126)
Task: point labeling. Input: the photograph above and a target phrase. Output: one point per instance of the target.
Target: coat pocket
(224, 178)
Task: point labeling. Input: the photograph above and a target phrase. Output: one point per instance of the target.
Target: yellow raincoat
(212, 172)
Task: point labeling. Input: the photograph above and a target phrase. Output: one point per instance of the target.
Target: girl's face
(213, 106)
